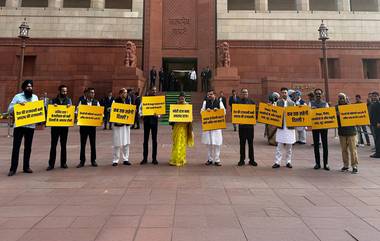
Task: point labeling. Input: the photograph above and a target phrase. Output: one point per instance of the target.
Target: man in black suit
(150, 125)
(161, 80)
(107, 102)
(234, 99)
(153, 77)
(375, 121)
(246, 133)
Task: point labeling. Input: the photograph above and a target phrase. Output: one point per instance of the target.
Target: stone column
(261, 5)
(55, 4)
(378, 5)
(98, 4)
(12, 3)
(344, 5)
(303, 5)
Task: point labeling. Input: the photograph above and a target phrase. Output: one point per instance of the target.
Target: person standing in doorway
(153, 76)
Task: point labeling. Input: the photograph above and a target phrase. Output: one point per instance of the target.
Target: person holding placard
(270, 130)
(285, 136)
(88, 131)
(246, 133)
(59, 132)
(300, 131)
(347, 139)
(150, 125)
(323, 133)
(25, 132)
(213, 139)
(121, 134)
(234, 99)
(375, 122)
(182, 136)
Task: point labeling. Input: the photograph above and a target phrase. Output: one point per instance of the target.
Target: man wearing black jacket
(150, 125)
(234, 99)
(246, 133)
(375, 122)
(59, 132)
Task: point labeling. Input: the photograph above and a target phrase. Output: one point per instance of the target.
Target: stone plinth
(128, 77)
(226, 79)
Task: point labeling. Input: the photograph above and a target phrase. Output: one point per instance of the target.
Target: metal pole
(326, 70)
(23, 46)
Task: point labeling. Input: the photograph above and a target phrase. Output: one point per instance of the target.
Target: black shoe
(253, 163)
(288, 165)
(143, 162)
(127, 163)
(64, 166)
(114, 164)
(28, 170)
(80, 165)
(276, 165)
(326, 167)
(217, 164)
(344, 169)
(302, 143)
(94, 164)
(235, 129)
(155, 162)
(49, 168)
(11, 173)
(316, 167)
(208, 163)
(355, 170)
(241, 163)
(374, 156)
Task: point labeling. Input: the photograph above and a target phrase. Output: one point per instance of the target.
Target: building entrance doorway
(177, 74)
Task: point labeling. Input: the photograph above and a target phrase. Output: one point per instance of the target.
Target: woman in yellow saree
(182, 137)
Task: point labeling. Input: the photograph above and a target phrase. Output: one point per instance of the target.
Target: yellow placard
(90, 115)
(244, 114)
(123, 113)
(30, 113)
(271, 115)
(60, 115)
(324, 118)
(213, 120)
(153, 105)
(354, 115)
(297, 116)
(181, 113)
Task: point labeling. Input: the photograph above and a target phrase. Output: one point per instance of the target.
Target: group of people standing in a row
(183, 135)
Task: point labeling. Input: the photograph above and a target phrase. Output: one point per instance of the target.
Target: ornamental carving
(224, 55)
(130, 59)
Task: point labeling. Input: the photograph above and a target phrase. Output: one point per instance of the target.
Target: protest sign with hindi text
(244, 114)
(60, 115)
(181, 113)
(271, 115)
(324, 118)
(90, 115)
(122, 113)
(297, 116)
(153, 105)
(29, 113)
(354, 115)
(213, 120)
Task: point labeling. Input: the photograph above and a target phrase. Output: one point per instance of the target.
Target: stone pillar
(261, 5)
(98, 4)
(378, 5)
(12, 3)
(344, 5)
(55, 4)
(303, 5)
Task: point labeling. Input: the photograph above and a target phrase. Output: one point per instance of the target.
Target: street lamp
(23, 35)
(323, 36)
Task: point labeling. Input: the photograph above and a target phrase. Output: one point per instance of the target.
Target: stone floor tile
(154, 234)
(189, 234)
(12, 234)
(55, 222)
(123, 222)
(20, 222)
(89, 222)
(25, 211)
(225, 234)
(323, 212)
(190, 222)
(82, 210)
(278, 233)
(156, 221)
(60, 235)
(154, 209)
(116, 234)
(270, 222)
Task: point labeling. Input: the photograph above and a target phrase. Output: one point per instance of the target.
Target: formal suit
(246, 134)
(107, 102)
(375, 121)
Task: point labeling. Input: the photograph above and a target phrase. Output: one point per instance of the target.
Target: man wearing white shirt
(88, 131)
(213, 139)
(25, 132)
(193, 79)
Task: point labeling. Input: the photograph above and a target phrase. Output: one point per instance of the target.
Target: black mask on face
(28, 93)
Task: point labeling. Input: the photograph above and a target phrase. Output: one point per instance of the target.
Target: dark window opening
(333, 68)
(119, 4)
(323, 5)
(364, 5)
(371, 68)
(77, 3)
(282, 5)
(35, 3)
(2, 3)
(241, 5)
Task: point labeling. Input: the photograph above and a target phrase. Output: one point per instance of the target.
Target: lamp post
(23, 35)
(323, 36)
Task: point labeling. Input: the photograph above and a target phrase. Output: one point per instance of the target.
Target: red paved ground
(193, 203)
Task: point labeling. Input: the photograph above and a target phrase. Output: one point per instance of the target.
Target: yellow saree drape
(182, 136)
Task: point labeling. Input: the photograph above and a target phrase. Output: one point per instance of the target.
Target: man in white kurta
(121, 134)
(213, 139)
(285, 137)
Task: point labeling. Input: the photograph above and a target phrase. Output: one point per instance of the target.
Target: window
(2, 3)
(323, 5)
(333, 68)
(119, 4)
(77, 3)
(34, 3)
(284, 5)
(241, 5)
(371, 68)
(364, 5)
